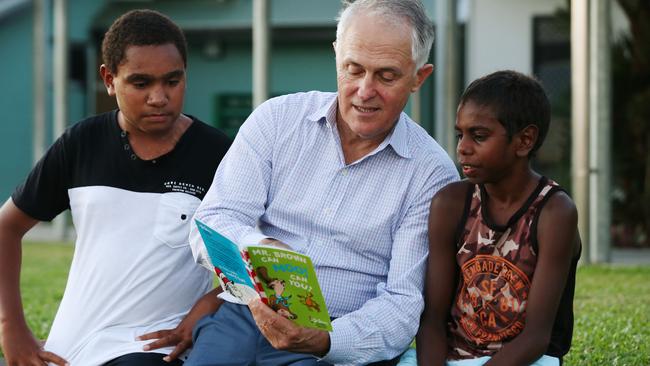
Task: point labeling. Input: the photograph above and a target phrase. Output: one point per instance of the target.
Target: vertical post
(416, 107)
(600, 121)
(38, 134)
(580, 116)
(60, 67)
(260, 51)
(59, 224)
(446, 69)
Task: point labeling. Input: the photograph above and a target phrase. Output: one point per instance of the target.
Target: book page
(228, 264)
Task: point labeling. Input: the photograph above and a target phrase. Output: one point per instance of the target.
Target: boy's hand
(21, 348)
(283, 334)
(181, 336)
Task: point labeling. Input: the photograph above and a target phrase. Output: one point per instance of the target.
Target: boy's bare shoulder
(451, 197)
(558, 219)
(561, 206)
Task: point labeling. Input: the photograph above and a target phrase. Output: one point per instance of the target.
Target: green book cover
(285, 280)
(289, 282)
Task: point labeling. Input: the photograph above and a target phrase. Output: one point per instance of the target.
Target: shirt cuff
(340, 341)
(252, 238)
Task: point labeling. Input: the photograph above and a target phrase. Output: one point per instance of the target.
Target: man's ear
(421, 75)
(526, 140)
(108, 78)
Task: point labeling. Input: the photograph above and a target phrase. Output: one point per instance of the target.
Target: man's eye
(387, 76)
(140, 84)
(480, 138)
(173, 82)
(354, 71)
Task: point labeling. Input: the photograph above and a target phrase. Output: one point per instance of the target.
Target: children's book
(285, 280)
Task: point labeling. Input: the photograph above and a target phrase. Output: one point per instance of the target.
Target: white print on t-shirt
(182, 187)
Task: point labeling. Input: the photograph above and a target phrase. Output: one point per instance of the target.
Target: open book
(285, 280)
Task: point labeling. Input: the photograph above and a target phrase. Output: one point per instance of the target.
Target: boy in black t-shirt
(132, 179)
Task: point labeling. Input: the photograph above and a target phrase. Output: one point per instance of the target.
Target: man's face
(375, 75)
(149, 87)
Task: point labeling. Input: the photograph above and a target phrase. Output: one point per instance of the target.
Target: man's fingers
(180, 348)
(51, 357)
(260, 309)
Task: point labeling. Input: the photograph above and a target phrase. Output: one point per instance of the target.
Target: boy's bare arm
(558, 241)
(444, 217)
(181, 336)
(18, 343)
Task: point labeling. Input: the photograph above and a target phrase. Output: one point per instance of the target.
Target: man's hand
(275, 243)
(283, 334)
(21, 348)
(181, 336)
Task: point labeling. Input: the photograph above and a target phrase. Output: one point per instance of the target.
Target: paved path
(631, 256)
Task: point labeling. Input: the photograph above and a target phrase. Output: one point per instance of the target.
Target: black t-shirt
(133, 270)
(96, 152)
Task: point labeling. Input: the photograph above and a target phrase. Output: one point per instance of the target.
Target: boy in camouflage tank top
(504, 242)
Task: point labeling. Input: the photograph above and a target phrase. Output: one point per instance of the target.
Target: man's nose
(367, 88)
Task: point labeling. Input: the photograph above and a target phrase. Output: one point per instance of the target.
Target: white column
(39, 83)
(580, 117)
(260, 51)
(60, 68)
(600, 142)
(446, 74)
(59, 224)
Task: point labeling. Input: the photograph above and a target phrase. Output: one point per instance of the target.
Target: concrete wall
(499, 34)
(15, 99)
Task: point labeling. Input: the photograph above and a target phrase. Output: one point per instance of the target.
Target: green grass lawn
(612, 306)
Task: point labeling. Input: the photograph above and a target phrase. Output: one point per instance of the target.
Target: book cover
(285, 280)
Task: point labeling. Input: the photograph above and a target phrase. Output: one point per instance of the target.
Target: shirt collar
(398, 138)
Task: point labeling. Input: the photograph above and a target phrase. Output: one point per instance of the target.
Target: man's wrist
(322, 344)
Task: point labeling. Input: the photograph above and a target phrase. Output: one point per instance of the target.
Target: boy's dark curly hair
(517, 100)
(141, 27)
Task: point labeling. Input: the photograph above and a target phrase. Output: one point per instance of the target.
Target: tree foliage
(631, 127)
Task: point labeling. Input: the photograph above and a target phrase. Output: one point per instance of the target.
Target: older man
(346, 178)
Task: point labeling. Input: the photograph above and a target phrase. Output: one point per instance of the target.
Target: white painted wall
(499, 34)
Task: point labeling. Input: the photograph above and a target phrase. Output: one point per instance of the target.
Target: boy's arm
(18, 343)
(181, 336)
(444, 217)
(558, 241)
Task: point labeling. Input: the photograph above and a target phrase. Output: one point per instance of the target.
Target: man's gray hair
(398, 11)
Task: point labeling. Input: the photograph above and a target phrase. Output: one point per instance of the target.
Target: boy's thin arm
(444, 217)
(181, 337)
(558, 244)
(18, 343)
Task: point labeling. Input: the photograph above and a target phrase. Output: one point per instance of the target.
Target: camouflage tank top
(497, 265)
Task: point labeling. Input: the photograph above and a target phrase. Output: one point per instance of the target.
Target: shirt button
(133, 157)
(344, 172)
